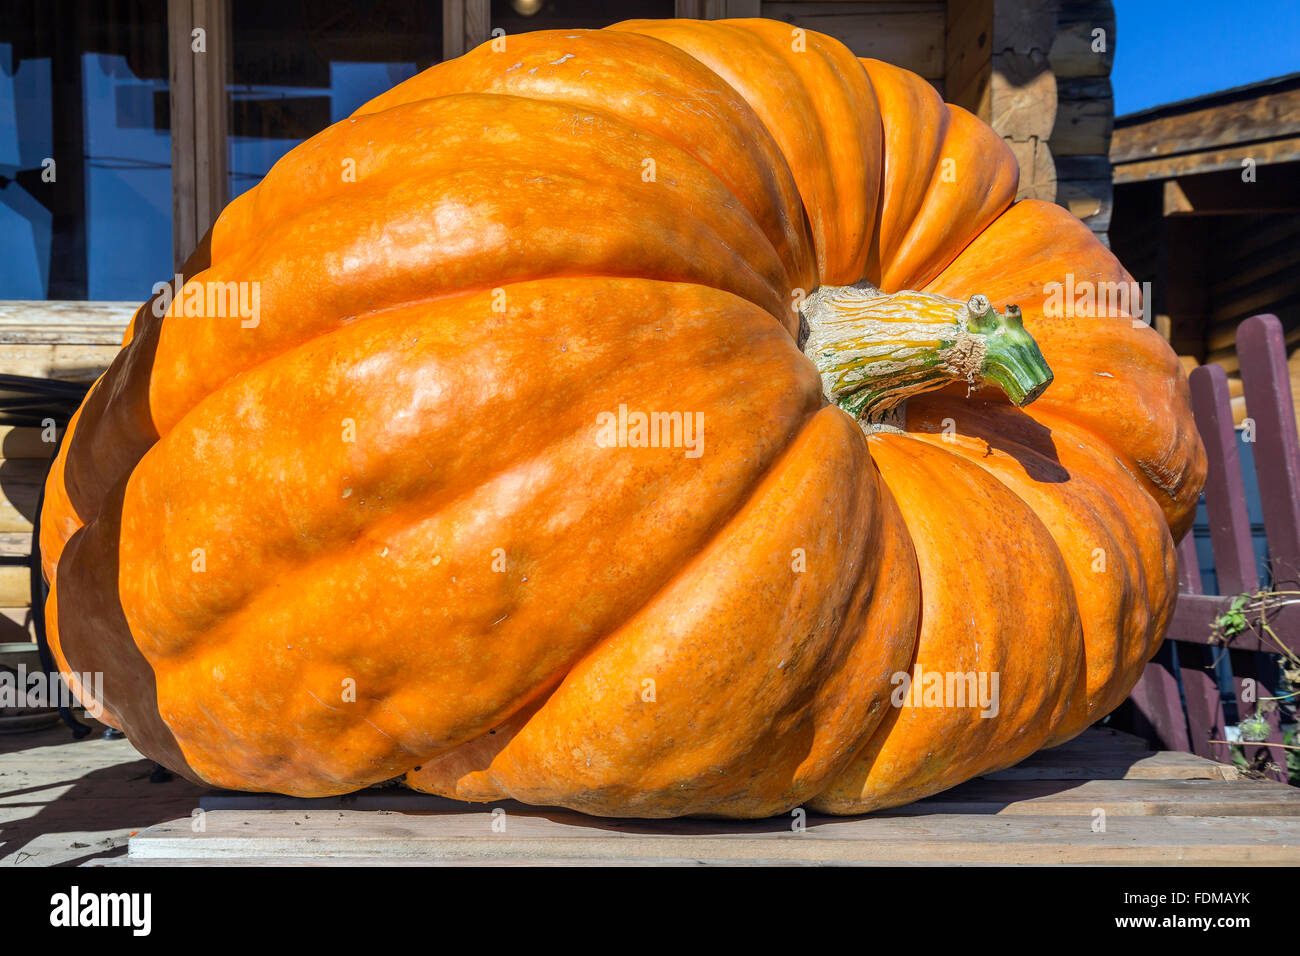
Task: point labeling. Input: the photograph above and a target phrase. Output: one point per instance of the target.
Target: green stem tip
(874, 350)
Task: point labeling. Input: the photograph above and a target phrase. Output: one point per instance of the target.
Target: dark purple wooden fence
(1196, 722)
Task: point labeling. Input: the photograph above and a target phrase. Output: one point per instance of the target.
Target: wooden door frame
(199, 95)
(199, 66)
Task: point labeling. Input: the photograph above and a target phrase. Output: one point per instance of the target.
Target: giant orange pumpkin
(626, 412)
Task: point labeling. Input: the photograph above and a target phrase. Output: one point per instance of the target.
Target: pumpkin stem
(876, 349)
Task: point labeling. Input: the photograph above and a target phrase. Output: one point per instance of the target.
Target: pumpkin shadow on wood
(116, 797)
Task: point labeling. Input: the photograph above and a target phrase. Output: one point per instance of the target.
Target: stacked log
(69, 341)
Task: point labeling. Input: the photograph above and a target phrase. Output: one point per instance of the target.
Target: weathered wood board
(1101, 799)
(64, 800)
(915, 837)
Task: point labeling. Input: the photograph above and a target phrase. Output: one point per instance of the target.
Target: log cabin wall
(1037, 71)
(239, 71)
(1082, 53)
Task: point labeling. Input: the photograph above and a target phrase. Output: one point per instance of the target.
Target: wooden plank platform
(1159, 808)
(79, 801)
(65, 802)
(526, 834)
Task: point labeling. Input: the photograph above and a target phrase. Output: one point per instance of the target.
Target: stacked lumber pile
(69, 341)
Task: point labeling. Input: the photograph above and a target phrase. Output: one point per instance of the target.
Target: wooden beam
(910, 35)
(1186, 164)
(996, 66)
(69, 266)
(717, 9)
(198, 43)
(1194, 616)
(478, 22)
(1205, 717)
(465, 24)
(453, 29)
(1158, 706)
(180, 17)
(968, 55)
(1024, 26)
(1185, 256)
(1274, 189)
(1078, 49)
(1082, 51)
(1175, 200)
(462, 834)
(1002, 59)
(1262, 120)
(1085, 200)
(1084, 187)
(1022, 96)
(1085, 116)
(45, 322)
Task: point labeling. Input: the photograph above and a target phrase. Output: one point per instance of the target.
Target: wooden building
(1207, 209)
(225, 87)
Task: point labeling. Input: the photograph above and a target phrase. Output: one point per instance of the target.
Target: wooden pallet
(1102, 799)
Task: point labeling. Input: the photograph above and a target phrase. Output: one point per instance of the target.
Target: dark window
(300, 66)
(85, 152)
(521, 16)
(85, 142)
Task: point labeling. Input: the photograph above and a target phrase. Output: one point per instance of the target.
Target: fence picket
(1262, 349)
(1158, 711)
(1225, 491)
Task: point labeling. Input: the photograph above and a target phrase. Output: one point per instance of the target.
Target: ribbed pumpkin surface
(391, 482)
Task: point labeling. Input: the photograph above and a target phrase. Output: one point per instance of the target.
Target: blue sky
(1169, 50)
